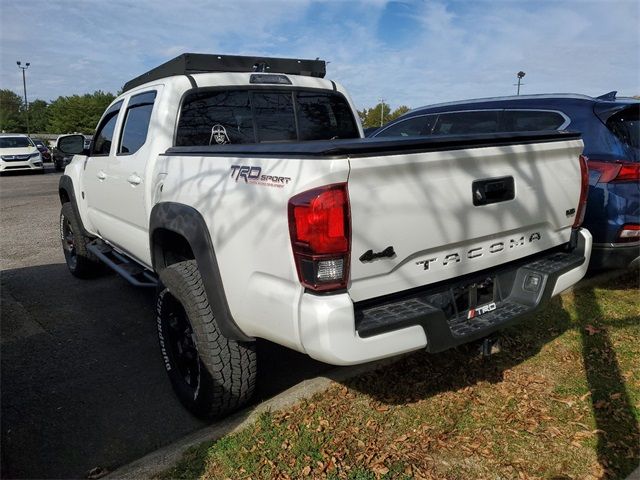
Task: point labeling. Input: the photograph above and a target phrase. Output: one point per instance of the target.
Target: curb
(156, 462)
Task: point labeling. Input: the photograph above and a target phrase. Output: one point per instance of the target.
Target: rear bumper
(335, 331)
(615, 255)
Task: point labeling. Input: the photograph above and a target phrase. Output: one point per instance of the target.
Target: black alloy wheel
(181, 344)
(69, 244)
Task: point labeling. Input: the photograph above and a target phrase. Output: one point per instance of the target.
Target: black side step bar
(132, 272)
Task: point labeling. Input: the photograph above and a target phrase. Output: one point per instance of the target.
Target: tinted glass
(136, 122)
(210, 117)
(15, 142)
(215, 117)
(531, 121)
(322, 116)
(626, 126)
(275, 121)
(104, 132)
(411, 127)
(461, 123)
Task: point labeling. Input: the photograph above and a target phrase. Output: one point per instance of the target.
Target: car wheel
(211, 375)
(81, 262)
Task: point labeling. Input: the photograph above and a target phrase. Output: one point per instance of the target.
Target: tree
(38, 116)
(376, 116)
(78, 113)
(11, 117)
(401, 110)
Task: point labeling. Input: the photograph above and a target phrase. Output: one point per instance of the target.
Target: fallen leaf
(583, 397)
(592, 330)
(306, 471)
(380, 470)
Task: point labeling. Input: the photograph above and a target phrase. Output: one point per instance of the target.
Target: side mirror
(71, 144)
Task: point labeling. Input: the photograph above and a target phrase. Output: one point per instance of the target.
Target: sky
(414, 52)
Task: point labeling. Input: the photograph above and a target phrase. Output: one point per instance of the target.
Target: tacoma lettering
(477, 252)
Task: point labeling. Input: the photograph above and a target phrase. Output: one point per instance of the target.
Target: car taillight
(584, 190)
(611, 172)
(629, 232)
(320, 229)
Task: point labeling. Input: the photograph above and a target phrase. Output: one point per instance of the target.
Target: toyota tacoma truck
(242, 190)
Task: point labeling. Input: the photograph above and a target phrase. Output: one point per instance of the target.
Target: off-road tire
(80, 261)
(225, 369)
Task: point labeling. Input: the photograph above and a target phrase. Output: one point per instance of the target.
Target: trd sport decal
(254, 175)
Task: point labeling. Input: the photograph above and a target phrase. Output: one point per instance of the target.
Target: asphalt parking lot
(82, 382)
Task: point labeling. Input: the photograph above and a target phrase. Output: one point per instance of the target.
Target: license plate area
(475, 294)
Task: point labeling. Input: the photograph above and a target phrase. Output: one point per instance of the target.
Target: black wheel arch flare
(68, 194)
(187, 222)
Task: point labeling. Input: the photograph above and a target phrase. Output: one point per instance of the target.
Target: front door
(96, 172)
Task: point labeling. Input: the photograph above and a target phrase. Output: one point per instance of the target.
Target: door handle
(134, 179)
(101, 175)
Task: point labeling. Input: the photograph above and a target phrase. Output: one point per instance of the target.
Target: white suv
(18, 152)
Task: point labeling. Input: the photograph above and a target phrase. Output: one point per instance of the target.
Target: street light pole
(520, 75)
(24, 85)
(381, 110)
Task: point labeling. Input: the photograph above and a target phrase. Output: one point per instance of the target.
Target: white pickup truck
(242, 190)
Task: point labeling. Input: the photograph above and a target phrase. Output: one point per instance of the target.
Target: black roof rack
(189, 63)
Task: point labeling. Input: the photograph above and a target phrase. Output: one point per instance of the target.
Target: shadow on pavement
(83, 383)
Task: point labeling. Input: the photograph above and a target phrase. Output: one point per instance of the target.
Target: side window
(531, 121)
(104, 132)
(136, 123)
(213, 117)
(461, 123)
(274, 116)
(411, 127)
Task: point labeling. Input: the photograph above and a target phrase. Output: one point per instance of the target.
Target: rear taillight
(584, 190)
(320, 229)
(629, 232)
(611, 172)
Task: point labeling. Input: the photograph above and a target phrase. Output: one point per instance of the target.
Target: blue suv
(610, 131)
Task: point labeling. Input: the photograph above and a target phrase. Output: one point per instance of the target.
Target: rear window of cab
(215, 117)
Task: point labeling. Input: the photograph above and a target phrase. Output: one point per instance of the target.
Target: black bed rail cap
(355, 147)
(190, 63)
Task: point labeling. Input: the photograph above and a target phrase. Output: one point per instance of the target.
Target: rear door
(127, 177)
(424, 205)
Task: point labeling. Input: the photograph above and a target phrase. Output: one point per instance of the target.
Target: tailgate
(421, 204)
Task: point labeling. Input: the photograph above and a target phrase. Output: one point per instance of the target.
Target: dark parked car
(610, 129)
(43, 149)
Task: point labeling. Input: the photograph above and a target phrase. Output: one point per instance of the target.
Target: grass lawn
(561, 400)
